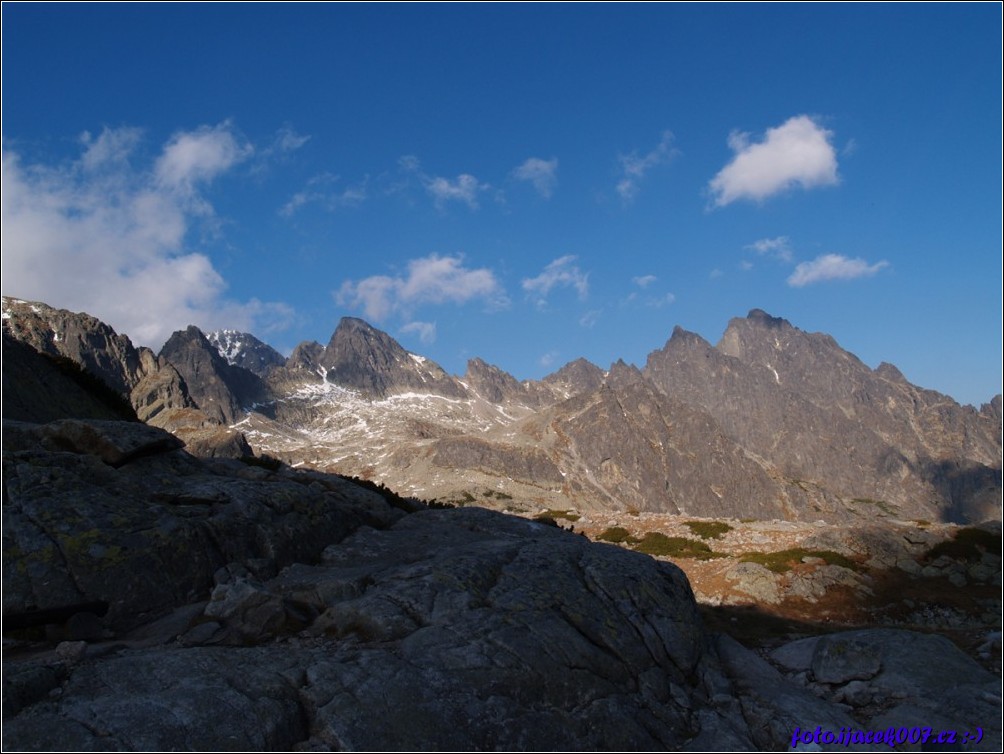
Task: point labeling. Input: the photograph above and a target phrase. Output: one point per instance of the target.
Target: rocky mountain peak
(363, 358)
(684, 341)
(218, 388)
(622, 373)
(763, 319)
(307, 355)
(492, 383)
(245, 350)
(579, 376)
(746, 337)
(890, 372)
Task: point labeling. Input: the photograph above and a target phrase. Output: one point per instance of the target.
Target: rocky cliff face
(80, 337)
(828, 423)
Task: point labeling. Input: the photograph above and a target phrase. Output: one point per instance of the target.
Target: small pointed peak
(762, 317)
(686, 336)
(477, 363)
(354, 323)
(620, 368)
(889, 372)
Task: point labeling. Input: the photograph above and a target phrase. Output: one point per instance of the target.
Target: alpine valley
(216, 547)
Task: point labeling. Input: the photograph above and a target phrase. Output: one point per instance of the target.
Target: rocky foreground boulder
(156, 601)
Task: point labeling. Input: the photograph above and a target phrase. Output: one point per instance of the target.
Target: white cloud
(561, 272)
(635, 166)
(543, 174)
(330, 199)
(590, 318)
(111, 149)
(426, 330)
(548, 359)
(660, 301)
(778, 248)
(832, 267)
(464, 188)
(796, 153)
(636, 298)
(288, 140)
(100, 236)
(196, 157)
(409, 163)
(429, 280)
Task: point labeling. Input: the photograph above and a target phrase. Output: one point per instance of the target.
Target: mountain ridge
(771, 422)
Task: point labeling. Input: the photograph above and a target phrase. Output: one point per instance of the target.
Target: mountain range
(769, 423)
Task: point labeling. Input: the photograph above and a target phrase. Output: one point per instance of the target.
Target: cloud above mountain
(634, 167)
(832, 267)
(798, 153)
(431, 280)
(103, 235)
(561, 273)
(776, 248)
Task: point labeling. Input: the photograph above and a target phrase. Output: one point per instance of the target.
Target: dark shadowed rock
(306, 355)
(114, 512)
(219, 390)
(77, 336)
(895, 678)
(40, 387)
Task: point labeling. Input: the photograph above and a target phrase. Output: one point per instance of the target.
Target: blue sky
(524, 183)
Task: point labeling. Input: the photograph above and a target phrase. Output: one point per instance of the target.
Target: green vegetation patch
(497, 494)
(783, 560)
(708, 529)
(657, 543)
(567, 515)
(617, 535)
(968, 544)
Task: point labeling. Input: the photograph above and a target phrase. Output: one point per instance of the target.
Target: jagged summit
(491, 382)
(220, 389)
(577, 376)
(366, 359)
(245, 350)
(759, 316)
